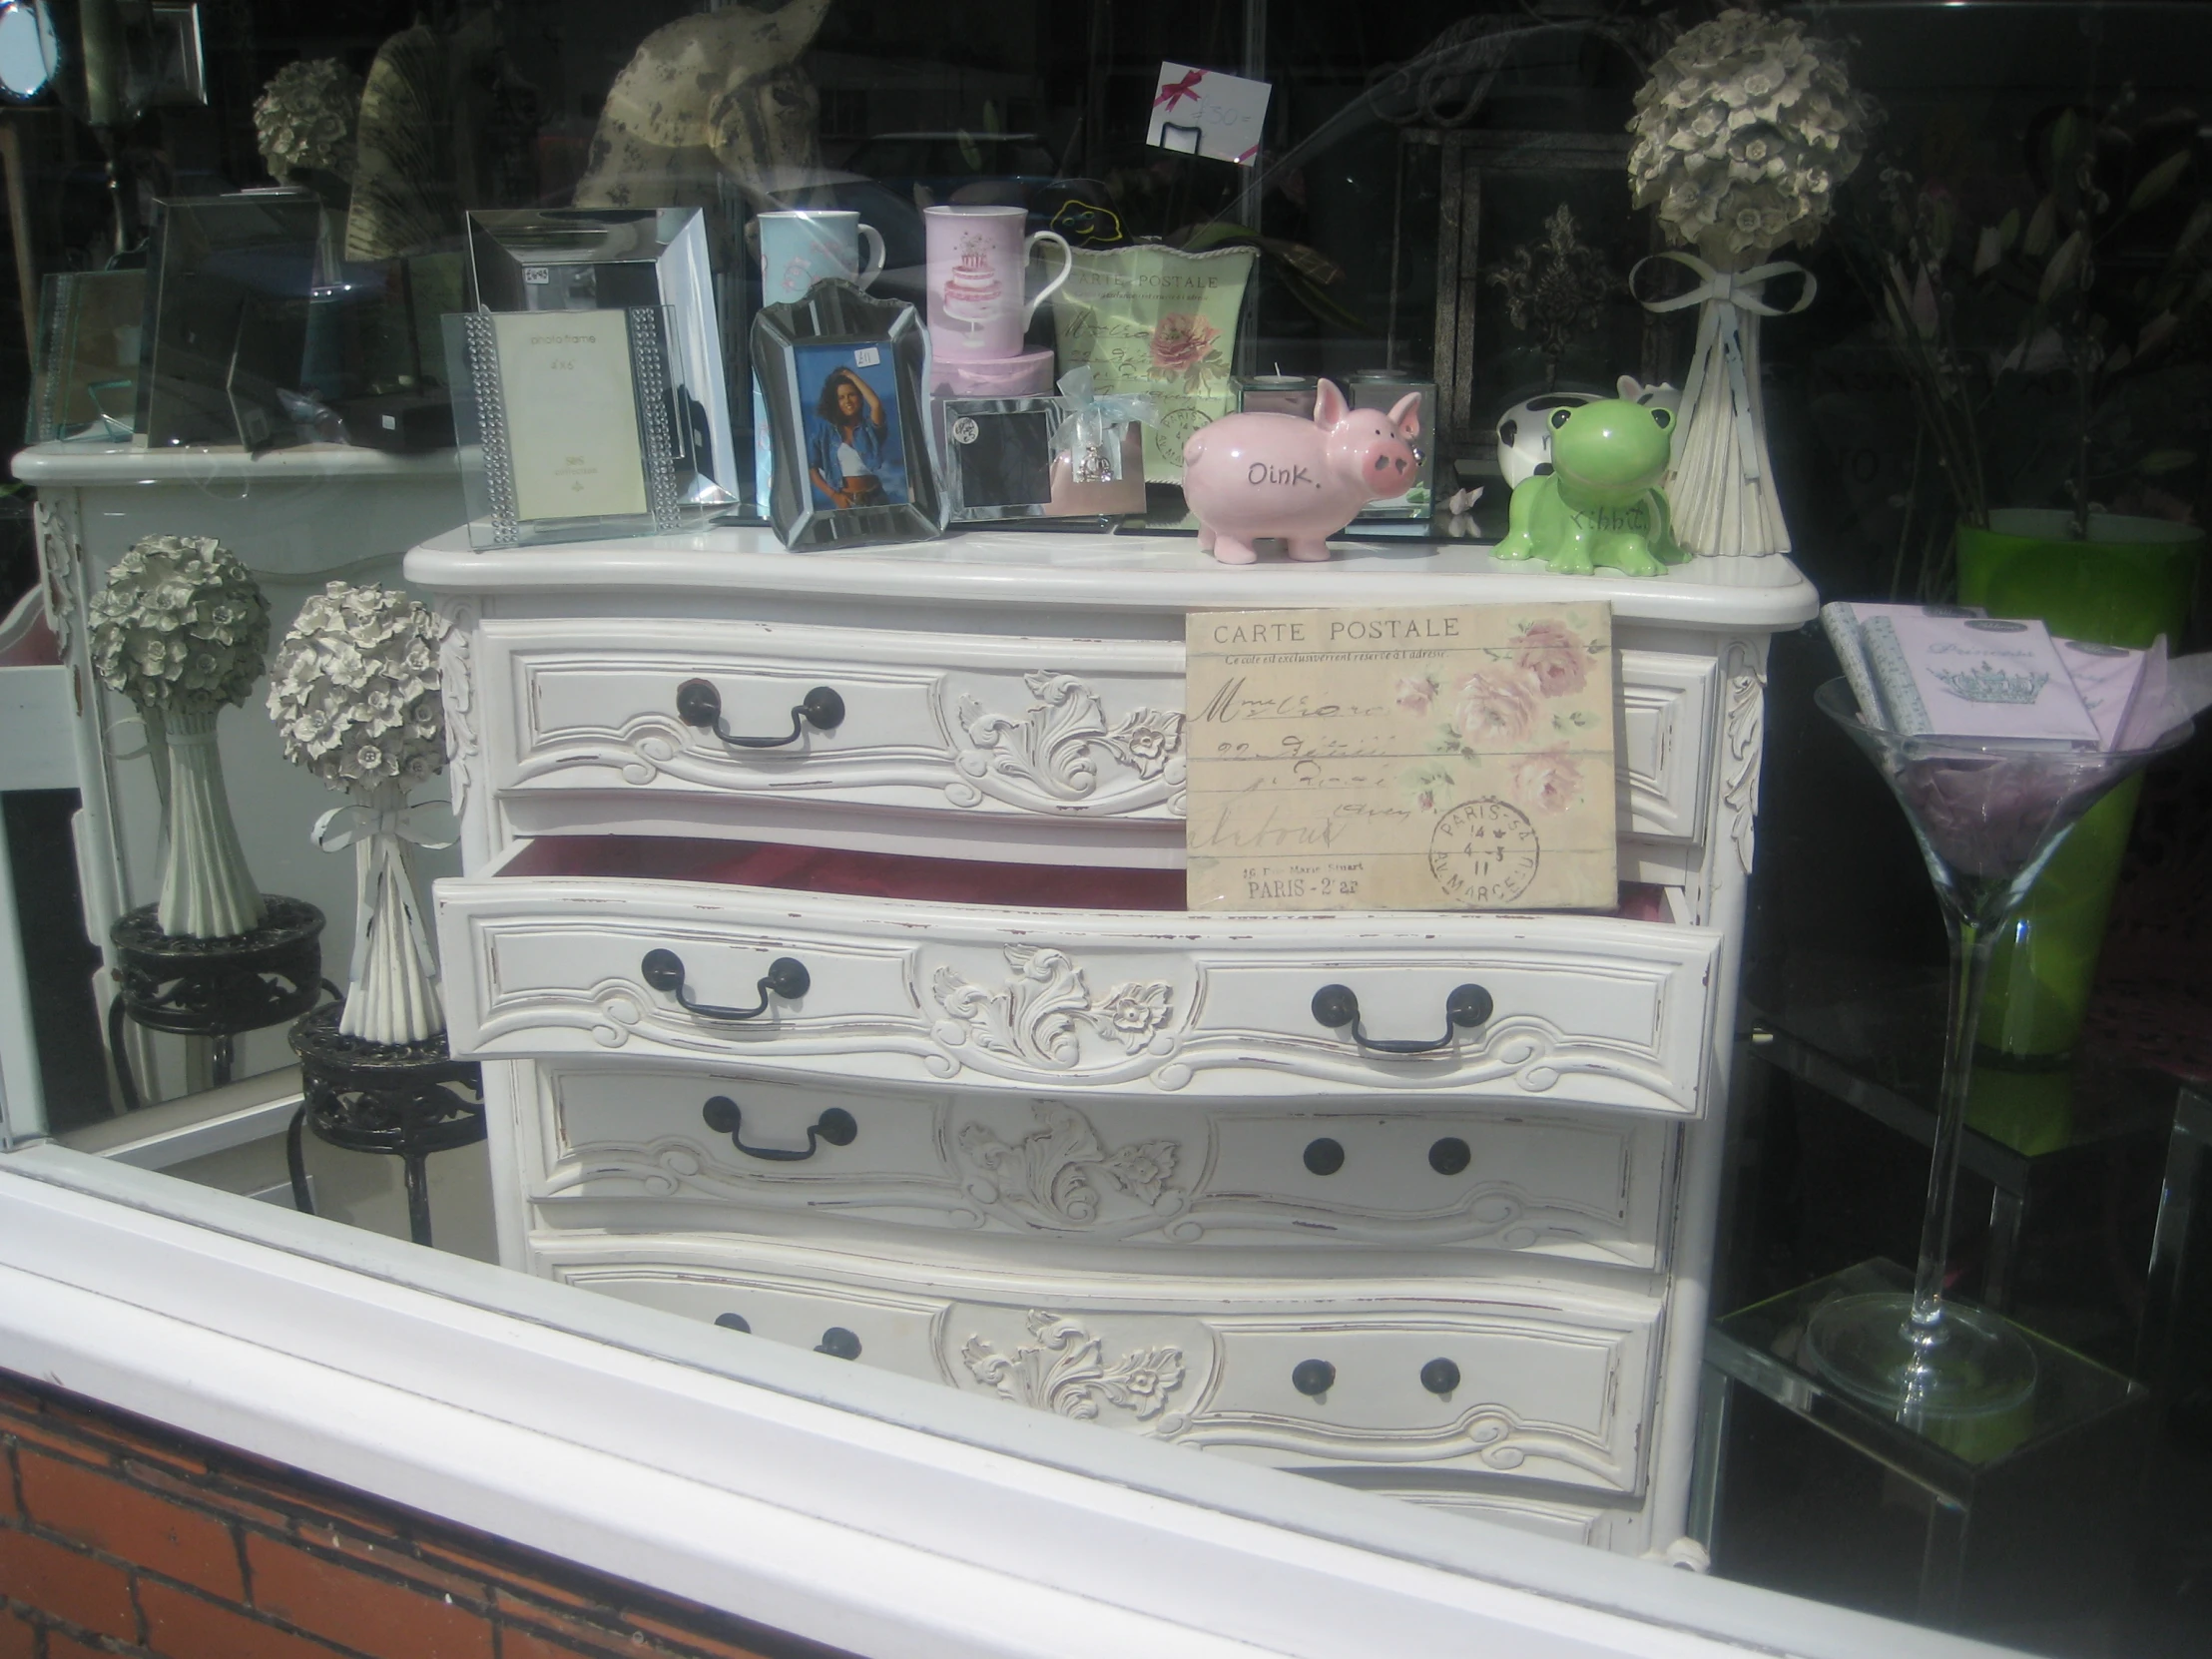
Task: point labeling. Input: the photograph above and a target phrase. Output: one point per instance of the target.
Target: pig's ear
(1329, 405)
(1405, 415)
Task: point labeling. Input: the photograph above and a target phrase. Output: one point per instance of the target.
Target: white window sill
(846, 1505)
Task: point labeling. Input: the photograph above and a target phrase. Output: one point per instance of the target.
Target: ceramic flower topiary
(354, 690)
(1742, 132)
(305, 119)
(179, 629)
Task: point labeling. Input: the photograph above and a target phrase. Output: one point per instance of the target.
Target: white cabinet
(895, 1041)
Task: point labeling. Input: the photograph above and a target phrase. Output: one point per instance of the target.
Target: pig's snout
(1392, 461)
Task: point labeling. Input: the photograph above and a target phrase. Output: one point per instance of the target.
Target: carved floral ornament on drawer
(1051, 1177)
(1065, 1372)
(1033, 1017)
(1047, 758)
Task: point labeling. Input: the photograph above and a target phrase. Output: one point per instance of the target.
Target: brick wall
(119, 1536)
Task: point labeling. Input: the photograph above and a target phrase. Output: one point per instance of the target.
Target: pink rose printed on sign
(1548, 779)
(1416, 692)
(1184, 346)
(1552, 652)
(1496, 706)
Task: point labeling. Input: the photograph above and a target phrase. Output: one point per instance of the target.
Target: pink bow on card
(1185, 88)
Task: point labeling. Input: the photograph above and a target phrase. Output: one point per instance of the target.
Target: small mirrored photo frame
(564, 424)
(541, 260)
(844, 379)
(1004, 460)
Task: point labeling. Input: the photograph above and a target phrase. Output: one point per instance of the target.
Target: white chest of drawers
(896, 1043)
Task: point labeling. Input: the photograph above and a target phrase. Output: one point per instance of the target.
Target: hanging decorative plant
(179, 630)
(354, 690)
(1742, 132)
(305, 120)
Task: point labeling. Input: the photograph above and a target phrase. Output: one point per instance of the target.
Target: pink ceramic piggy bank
(1250, 476)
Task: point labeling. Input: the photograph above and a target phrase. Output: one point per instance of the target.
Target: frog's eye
(1662, 418)
(1559, 418)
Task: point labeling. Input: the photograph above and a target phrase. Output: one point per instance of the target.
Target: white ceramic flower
(305, 119)
(179, 626)
(354, 688)
(1742, 131)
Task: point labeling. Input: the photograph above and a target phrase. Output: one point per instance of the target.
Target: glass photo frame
(85, 384)
(562, 418)
(844, 378)
(228, 283)
(620, 259)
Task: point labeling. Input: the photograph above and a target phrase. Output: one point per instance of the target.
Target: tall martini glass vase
(1987, 813)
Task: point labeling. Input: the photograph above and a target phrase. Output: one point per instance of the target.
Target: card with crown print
(1974, 676)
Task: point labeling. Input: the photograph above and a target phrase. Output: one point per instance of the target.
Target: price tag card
(1452, 758)
(1201, 112)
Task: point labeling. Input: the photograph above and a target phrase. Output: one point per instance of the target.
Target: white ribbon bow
(375, 833)
(1735, 292)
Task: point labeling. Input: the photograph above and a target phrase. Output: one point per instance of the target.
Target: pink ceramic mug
(976, 260)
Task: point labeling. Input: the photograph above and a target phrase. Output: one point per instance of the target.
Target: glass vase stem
(1971, 945)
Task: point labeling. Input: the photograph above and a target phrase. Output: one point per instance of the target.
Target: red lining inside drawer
(895, 874)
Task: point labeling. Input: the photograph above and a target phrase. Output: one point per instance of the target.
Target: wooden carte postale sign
(1454, 757)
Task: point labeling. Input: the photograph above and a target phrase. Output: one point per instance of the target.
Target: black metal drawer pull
(698, 704)
(1325, 1156)
(838, 1344)
(1313, 1378)
(787, 978)
(733, 1322)
(1440, 1377)
(1450, 1156)
(836, 1126)
(1337, 1007)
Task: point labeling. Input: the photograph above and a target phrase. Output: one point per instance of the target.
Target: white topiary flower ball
(353, 688)
(1742, 132)
(305, 119)
(180, 627)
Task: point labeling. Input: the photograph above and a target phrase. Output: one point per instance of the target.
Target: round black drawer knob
(1325, 1156)
(1313, 1378)
(1440, 1377)
(838, 1344)
(733, 1322)
(1450, 1156)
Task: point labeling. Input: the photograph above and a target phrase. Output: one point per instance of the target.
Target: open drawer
(835, 964)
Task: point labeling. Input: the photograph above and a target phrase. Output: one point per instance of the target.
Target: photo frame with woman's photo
(843, 379)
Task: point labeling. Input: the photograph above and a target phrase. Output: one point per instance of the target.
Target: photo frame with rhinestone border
(498, 514)
(869, 481)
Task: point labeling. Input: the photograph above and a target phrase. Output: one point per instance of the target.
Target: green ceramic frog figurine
(1597, 501)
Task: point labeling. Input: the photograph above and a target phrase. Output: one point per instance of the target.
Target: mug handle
(871, 267)
(1067, 270)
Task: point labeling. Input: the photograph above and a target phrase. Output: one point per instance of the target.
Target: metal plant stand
(404, 1100)
(212, 988)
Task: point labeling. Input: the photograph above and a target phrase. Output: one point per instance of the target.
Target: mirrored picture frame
(845, 382)
(562, 422)
(228, 283)
(620, 259)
